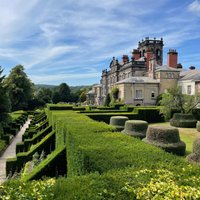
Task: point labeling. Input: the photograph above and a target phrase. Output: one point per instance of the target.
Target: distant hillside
(72, 88)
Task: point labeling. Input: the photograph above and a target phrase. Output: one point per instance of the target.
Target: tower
(149, 48)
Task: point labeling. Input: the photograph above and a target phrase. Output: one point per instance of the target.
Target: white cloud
(195, 7)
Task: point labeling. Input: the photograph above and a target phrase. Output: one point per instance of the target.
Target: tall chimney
(135, 54)
(172, 60)
(125, 59)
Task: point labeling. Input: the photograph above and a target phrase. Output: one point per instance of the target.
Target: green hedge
(47, 144)
(183, 120)
(53, 166)
(26, 144)
(151, 115)
(60, 107)
(91, 147)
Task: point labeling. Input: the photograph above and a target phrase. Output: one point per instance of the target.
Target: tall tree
(20, 88)
(61, 93)
(4, 100)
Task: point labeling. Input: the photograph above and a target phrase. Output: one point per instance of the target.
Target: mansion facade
(143, 77)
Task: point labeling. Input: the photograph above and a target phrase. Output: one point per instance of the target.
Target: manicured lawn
(188, 135)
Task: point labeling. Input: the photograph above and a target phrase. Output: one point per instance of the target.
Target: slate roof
(193, 75)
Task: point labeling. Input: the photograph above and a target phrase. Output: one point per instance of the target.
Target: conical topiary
(166, 138)
(136, 128)
(195, 155)
(118, 122)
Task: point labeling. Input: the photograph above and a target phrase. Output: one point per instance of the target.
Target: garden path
(10, 151)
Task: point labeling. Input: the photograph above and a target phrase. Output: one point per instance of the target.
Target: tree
(44, 95)
(174, 100)
(4, 100)
(19, 87)
(61, 93)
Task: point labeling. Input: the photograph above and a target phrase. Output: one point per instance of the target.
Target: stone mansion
(143, 77)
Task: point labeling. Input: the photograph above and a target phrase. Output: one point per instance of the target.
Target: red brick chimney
(172, 60)
(135, 54)
(125, 59)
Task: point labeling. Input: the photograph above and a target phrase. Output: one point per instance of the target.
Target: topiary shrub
(136, 128)
(195, 155)
(183, 120)
(198, 126)
(118, 122)
(166, 138)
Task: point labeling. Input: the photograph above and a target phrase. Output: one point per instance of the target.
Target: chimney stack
(125, 59)
(135, 54)
(172, 60)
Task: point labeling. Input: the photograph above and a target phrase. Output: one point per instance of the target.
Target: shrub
(118, 122)
(198, 126)
(166, 138)
(136, 128)
(183, 120)
(195, 155)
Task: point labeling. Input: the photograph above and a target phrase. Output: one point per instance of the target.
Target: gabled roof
(138, 79)
(193, 75)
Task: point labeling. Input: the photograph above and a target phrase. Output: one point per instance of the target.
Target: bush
(136, 128)
(166, 138)
(183, 120)
(118, 122)
(198, 126)
(195, 155)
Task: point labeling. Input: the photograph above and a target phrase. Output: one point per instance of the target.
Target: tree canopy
(20, 88)
(4, 100)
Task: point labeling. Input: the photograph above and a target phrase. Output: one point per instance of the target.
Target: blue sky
(73, 41)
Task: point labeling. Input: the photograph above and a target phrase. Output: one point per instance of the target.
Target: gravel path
(10, 151)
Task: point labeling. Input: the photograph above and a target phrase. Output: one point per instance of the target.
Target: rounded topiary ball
(166, 138)
(118, 122)
(136, 128)
(183, 120)
(198, 126)
(195, 155)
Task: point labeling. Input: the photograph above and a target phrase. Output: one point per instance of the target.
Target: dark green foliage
(2, 145)
(19, 87)
(196, 113)
(61, 93)
(166, 138)
(183, 120)
(136, 128)
(5, 104)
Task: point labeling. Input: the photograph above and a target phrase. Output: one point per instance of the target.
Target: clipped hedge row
(47, 144)
(27, 143)
(60, 107)
(183, 120)
(91, 147)
(151, 115)
(53, 166)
